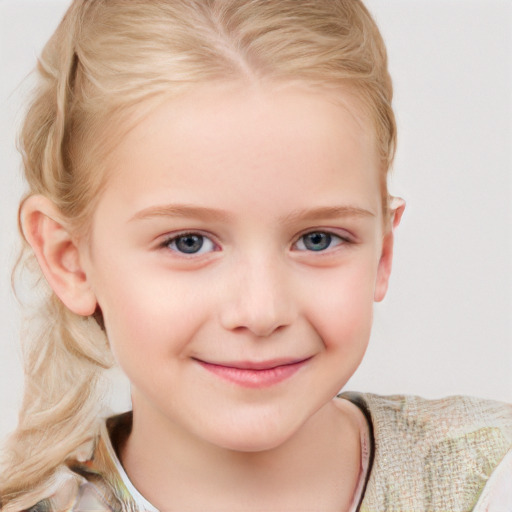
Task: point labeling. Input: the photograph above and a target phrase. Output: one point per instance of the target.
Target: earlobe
(397, 208)
(57, 253)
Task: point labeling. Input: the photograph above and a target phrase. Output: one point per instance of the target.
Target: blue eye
(190, 243)
(318, 241)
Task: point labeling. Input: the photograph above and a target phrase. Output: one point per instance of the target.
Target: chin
(247, 443)
(254, 434)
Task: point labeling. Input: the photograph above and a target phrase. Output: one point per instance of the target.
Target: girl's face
(235, 254)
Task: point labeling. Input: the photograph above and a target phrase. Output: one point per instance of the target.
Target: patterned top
(437, 455)
(452, 454)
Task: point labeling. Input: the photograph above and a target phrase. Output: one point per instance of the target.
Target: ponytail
(64, 354)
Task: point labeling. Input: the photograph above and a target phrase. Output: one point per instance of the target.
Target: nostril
(259, 326)
(259, 301)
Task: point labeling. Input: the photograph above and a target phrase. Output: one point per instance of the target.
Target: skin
(250, 172)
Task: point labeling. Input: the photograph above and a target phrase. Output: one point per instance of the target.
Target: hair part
(105, 60)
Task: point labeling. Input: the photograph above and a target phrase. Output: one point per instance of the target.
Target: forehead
(236, 136)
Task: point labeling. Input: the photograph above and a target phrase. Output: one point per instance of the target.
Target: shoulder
(93, 482)
(72, 492)
(85, 497)
(433, 454)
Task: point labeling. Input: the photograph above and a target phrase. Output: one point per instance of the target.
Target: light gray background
(445, 327)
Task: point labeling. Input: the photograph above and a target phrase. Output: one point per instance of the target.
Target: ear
(386, 259)
(57, 253)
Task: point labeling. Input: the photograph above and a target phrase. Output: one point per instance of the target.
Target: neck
(317, 468)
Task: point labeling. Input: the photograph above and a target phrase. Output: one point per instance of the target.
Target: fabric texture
(433, 455)
(427, 455)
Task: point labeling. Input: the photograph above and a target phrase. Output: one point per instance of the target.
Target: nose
(259, 299)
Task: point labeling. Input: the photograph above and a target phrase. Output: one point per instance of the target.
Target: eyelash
(329, 237)
(173, 240)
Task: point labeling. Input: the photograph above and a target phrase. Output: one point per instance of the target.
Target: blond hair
(106, 57)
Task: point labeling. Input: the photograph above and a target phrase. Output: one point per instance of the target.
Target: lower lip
(254, 378)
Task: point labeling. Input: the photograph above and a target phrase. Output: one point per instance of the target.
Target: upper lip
(257, 365)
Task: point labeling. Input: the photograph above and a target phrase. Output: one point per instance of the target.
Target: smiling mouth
(255, 374)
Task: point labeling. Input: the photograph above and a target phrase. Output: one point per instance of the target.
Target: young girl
(208, 204)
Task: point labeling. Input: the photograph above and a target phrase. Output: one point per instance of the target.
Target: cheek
(342, 313)
(148, 317)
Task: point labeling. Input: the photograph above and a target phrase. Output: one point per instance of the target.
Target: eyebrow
(203, 213)
(327, 212)
(181, 210)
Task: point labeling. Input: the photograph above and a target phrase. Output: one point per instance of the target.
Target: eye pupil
(317, 241)
(189, 244)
